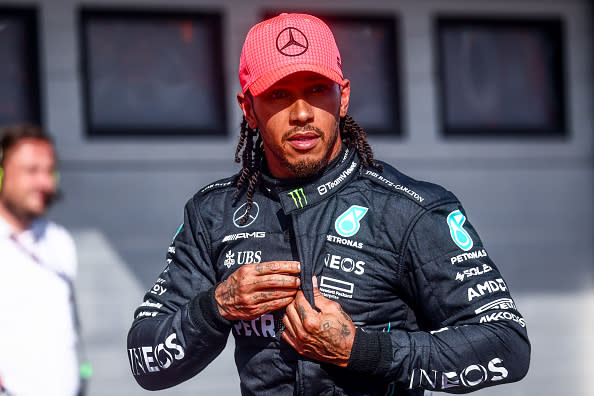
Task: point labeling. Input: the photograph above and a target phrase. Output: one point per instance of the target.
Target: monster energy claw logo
(299, 197)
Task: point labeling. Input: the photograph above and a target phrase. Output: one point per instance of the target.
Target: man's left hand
(326, 336)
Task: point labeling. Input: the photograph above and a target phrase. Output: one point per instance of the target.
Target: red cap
(286, 44)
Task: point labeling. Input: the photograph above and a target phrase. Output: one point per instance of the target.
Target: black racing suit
(431, 309)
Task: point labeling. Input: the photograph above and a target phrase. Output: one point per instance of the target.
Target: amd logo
(487, 287)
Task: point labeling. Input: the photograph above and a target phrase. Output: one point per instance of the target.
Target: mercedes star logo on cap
(291, 42)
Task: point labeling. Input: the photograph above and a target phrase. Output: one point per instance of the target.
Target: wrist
(220, 295)
(371, 352)
(203, 308)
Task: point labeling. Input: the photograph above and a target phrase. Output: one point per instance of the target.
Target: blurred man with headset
(38, 321)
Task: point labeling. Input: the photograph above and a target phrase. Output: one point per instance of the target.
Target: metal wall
(519, 193)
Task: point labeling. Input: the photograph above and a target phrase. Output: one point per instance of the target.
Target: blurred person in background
(38, 321)
(336, 274)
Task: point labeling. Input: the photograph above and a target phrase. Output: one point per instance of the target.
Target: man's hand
(326, 336)
(257, 288)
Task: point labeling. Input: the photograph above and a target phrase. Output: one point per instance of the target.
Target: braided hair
(253, 152)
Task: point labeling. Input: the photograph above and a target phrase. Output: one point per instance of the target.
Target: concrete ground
(560, 325)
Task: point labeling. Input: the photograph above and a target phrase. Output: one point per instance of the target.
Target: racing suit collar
(297, 194)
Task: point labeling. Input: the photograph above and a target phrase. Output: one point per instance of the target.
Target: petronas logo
(348, 223)
(299, 197)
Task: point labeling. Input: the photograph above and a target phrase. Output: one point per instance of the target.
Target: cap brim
(269, 79)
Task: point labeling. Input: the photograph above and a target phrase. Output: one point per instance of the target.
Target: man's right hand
(258, 288)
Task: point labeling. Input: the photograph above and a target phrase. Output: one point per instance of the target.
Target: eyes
(317, 89)
(37, 170)
(277, 94)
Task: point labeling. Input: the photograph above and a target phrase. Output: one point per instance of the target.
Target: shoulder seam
(413, 223)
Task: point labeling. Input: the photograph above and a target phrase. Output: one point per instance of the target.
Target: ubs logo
(291, 42)
(240, 212)
(246, 257)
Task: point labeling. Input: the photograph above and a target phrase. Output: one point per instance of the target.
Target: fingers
(320, 301)
(293, 325)
(271, 305)
(277, 281)
(290, 331)
(277, 267)
(257, 288)
(301, 315)
(295, 312)
(270, 295)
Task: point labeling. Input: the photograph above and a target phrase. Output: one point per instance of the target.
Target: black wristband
(203, 308)
(371, 353)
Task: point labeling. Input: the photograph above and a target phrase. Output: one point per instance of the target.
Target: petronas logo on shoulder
(299, 197)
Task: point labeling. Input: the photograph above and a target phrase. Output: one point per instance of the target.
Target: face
(29, 181)
(299, 119)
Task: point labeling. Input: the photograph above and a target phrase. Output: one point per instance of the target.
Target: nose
(47, 181)
(301, 112)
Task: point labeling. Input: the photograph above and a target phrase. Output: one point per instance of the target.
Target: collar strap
(301, 196)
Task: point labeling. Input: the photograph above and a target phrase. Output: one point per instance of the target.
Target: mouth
(304, 140)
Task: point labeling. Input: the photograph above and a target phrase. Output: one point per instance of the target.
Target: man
(336, 274)
(37, 265)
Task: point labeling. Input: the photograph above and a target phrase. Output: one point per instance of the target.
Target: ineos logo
(240, 212)
(291, 42)
(346, 264)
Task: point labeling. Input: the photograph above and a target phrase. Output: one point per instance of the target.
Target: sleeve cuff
(371, 353)
(203, 309)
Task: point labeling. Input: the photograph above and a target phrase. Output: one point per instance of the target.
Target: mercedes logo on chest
(240, 212)
(291, 42)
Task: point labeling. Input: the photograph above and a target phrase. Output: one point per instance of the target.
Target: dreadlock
(251, 158)
(354, 136)
(253, 151)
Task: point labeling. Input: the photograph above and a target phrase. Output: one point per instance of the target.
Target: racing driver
(336, 274)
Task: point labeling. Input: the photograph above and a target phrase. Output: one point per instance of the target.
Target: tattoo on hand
(344, 315)
(301, 312)
(345, 330)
